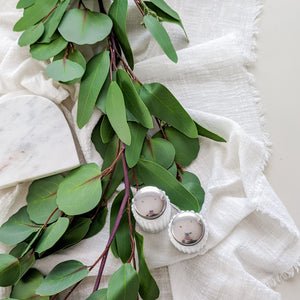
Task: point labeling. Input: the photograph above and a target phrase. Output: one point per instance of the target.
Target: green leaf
(109, 157)
(118, 14)
(123, 284)
(62, 277)
(161, 36)
(31, 35)
(173, 169)
(133, 152)
(27, 261)
(101, 100)
(91, 84)
(17, 228)
(160, 151)
(148, 287)
(162, 104)
(192, 183)
(74, 234)
(97, 223)
(32, 240)
(9, 269)
(34, 14)
(133, 102)
(186, 148)
(64, 70)
(122, 237)
(80, 191)
(166, 8)
(53, 21)
(51, 235)
(84, 26)
(76, 57)
(98, 295)
(25, 3)
(116, 113)
(206, 133)
(96, 139)
(26, 287)
(46, 51)
(164, 17)
(153, 174)
(41, 199)
(106, 131)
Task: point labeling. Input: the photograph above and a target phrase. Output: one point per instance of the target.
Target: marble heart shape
(35, 139)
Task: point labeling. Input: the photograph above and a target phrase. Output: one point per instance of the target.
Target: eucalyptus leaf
(74, 234)
(118, 14)
(80, 191)
(115, 109)
(25, 3)
(17, 228)
(133, 102)
(52, 234)
(98, 295)
(46, 51)
(154, 174)
(34, 13)
(173, 169)
(61, 277)
(84, 26)
(96, 139)
(97, 223)
(27, 261)
(161, 36)
(64, 70)
(101, 99)
(91, 84)
(164, 17)
(123, 284)
(31, 35)
(41, 199)
(160, 151)
(122, 237)
(106, 131)
(148, 287)
(133, 152)
(32, 239)
(162, 104)
(26, 286)
(75, 56)
(186, 148)
(166, 8)
(9, 269)
(206, 133)
(110, 183)
(192, 183)
(53, 21)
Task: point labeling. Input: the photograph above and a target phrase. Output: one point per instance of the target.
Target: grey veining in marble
(35, 140)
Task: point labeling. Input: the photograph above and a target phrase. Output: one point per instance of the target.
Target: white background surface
(277, 75)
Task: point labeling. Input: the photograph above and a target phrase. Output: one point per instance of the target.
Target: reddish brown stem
(137, 3)
(51, 215)
(49, 13)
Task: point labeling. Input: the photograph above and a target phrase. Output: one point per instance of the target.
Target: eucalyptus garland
(62, 210)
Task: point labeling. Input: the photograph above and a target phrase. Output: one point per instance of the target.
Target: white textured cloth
(252, 241)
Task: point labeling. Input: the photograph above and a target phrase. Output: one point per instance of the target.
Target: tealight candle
(151, 209)
(186, 231)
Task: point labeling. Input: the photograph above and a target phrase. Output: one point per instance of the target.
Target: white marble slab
(35, 139)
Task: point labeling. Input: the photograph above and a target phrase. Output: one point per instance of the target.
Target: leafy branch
(63, 210)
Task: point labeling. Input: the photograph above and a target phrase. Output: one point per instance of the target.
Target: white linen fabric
(252, 242)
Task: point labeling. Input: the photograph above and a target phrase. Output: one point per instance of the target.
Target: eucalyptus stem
(118, 220)
(137, 3)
